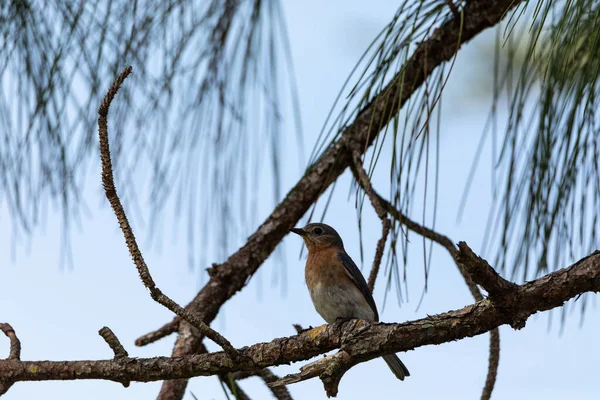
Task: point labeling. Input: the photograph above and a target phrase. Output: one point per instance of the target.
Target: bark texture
(359, 340)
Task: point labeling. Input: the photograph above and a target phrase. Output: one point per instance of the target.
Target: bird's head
(319, 236)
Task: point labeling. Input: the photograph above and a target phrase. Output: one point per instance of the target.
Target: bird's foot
(300, 330)
(344, 319)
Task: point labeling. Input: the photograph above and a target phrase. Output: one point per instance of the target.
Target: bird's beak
(298, 231)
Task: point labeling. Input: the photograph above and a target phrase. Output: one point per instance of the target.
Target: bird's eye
(317, 231)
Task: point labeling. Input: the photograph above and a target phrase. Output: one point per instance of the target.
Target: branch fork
(499, 289)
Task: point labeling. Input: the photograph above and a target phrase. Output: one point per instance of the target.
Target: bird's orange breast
(323, 266)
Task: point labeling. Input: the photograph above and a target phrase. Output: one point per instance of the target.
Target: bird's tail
(397, 367)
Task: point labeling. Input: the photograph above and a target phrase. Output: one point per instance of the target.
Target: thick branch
(443, 44)
(361, 340)
(445, 41)
(138, 259)
(175, 389)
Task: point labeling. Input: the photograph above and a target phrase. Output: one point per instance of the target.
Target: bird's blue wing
(358, 279)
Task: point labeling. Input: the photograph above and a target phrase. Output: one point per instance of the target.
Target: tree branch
(483, 274)
(361, 340)
(115, 345)
(231, 276)
(469, 257)
(111, 194)
(158, 334)
(113, 342)
(175, 389)
(363, 178)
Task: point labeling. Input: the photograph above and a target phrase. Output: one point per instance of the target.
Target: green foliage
(207, 75)
(546, 214)
(409, 135)
(546, 180)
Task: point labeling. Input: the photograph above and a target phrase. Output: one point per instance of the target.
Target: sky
(57, 312)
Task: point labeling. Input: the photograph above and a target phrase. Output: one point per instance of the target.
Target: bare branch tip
(113, 342)
(110, 95)
(132, 245)
(483, 274)
(15, 343)
(163, 331)
(14, 353)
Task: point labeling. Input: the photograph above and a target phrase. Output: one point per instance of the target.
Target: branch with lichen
(461, 256)
(358, 340)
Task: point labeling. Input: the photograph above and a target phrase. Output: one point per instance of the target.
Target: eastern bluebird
(337, 288)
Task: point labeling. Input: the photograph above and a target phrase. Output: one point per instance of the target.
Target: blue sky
(57, 312)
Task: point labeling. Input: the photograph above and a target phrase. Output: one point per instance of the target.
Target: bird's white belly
(333, 302)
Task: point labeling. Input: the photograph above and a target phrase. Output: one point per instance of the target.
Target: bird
(337, 288)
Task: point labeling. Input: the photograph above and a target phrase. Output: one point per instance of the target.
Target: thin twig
(493, 361)
(136, 254)
(385, 230)
(444, 241)
(163, 331)
(113, 342)
(365, 183)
